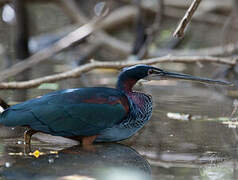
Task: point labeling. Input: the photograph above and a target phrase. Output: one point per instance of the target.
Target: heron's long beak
(171, 75)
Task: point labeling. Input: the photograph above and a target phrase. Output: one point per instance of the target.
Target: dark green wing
(72, 112)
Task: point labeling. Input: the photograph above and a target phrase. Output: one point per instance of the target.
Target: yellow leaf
(36, 153)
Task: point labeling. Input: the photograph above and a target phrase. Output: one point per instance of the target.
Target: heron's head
(129, 76)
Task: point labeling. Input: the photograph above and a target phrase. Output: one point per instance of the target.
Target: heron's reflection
(104, 161)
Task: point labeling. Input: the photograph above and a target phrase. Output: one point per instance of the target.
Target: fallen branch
(76, 72)
(43, 54)
(179, 32)
(123, 48)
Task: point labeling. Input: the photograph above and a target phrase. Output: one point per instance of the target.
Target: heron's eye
(150, 71)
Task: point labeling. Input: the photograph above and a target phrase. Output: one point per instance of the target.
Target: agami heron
(95, 114)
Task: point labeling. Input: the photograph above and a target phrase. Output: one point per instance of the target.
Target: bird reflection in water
(106, 161)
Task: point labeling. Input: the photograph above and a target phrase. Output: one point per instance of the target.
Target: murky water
(165, 148)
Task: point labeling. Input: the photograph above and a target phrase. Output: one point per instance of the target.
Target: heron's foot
(27, 149)
(87, 143)
(27, 140)
(27, 136)
(88, 140)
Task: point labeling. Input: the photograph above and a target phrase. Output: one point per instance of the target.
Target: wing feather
(83, 111)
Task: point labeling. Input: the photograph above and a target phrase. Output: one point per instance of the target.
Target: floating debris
(231, 124)
(53, 152)
(186, 117)
(183, 117)
(7, 164)
(51, 160)
(36, 153)
(178, 116)
(16, 154)
(19, 142)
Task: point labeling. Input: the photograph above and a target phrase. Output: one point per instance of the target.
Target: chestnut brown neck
(126, 84)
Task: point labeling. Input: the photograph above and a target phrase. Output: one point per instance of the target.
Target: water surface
(203, 148)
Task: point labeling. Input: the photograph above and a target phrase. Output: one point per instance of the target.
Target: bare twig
(102, 37)
(76, 72)
(112, 20)
(71, 38)
(119, 17)
(41, 55)
(71, 9)
(125, 49)
(208, 51)
(179, 32)
(119, 45)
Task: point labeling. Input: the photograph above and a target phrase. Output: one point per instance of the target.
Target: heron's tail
(3, 105)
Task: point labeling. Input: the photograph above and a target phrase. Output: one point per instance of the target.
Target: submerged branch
(76, 72)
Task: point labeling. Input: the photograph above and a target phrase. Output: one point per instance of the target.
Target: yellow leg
(87, 143)
(27, 135)
(88, 140)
